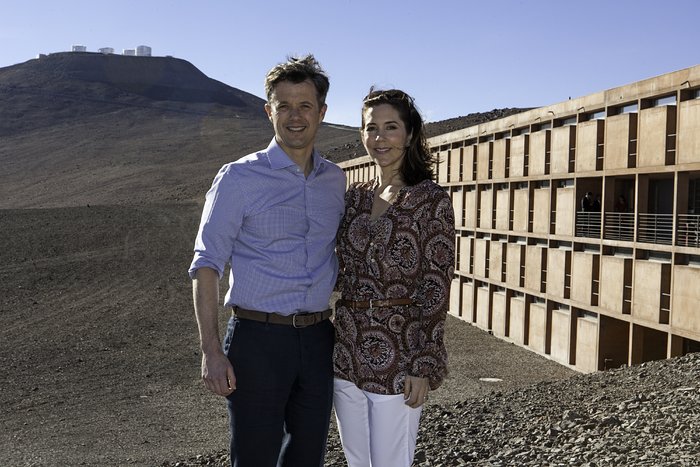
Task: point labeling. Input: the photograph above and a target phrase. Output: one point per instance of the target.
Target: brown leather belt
(375, 303)
(298, 320)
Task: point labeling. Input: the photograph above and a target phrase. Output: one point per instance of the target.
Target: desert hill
(105, 161)
(87, 128)
(83, 129)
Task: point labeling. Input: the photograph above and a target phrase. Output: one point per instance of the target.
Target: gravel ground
(648, 415)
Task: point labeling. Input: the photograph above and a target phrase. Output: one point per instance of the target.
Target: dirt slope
(99, 361)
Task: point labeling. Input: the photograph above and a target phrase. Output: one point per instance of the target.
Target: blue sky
(454, 56)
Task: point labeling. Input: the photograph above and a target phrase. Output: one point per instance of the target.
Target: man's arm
(217, 372)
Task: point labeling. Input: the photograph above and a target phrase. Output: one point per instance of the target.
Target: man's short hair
(298, 70)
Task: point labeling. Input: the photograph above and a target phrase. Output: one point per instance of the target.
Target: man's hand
(217, 373)
(415, 391)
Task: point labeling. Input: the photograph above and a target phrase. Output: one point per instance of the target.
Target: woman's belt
(374, 303)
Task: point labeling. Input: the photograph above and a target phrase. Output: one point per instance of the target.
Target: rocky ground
(647, 415)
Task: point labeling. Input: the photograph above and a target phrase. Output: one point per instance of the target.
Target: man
(273, 216)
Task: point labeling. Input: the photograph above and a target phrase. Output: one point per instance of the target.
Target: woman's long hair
(417, 164)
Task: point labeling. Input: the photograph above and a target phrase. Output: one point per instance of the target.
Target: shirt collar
(280, 160)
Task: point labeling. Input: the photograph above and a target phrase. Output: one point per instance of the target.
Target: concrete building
(106, 50)
(590, 284)
(78, 48)
(143, 51)
(130, 52)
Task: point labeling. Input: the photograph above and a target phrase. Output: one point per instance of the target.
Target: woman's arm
(438, 254)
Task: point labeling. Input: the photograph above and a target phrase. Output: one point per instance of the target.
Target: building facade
(578, 224)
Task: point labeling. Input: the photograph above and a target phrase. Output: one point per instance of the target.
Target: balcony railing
(655, 228)
(588, 224)
(619, 226)
(688, 230)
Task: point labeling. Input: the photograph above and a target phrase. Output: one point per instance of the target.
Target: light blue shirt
(277, 230)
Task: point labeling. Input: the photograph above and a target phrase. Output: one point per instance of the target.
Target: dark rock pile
(646, 415)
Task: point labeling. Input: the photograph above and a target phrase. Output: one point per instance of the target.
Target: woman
(396, 253)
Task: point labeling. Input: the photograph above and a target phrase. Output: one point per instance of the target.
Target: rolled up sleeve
(220, 224)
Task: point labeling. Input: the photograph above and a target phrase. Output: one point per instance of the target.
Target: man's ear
(268, 110)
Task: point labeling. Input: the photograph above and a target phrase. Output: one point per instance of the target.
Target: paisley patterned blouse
(407, 252)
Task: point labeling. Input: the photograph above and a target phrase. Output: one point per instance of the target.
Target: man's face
(295, 114)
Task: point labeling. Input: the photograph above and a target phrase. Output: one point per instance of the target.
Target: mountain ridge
(83, 128)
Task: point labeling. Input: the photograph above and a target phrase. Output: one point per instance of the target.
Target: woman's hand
(415, 391)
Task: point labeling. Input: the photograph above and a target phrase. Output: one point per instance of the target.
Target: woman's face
(384, 136)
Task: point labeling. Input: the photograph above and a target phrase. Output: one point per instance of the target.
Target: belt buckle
(370, 303)
(294, 320)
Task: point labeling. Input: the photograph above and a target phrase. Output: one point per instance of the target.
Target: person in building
(396, 248)
(621, 204)
(587, 202)
(273, 216)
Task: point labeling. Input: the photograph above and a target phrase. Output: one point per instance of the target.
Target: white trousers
(376, 430)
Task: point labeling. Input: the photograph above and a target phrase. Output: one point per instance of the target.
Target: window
(567, 121)
(560, 245)
(595, 115)
(568, 183)
(660, 256)
(624, 109)
(588, 248)
(661, 101)
(521, 240)
(623, 252)
(587, 314)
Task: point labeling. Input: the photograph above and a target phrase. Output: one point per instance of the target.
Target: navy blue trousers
(280, 410)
